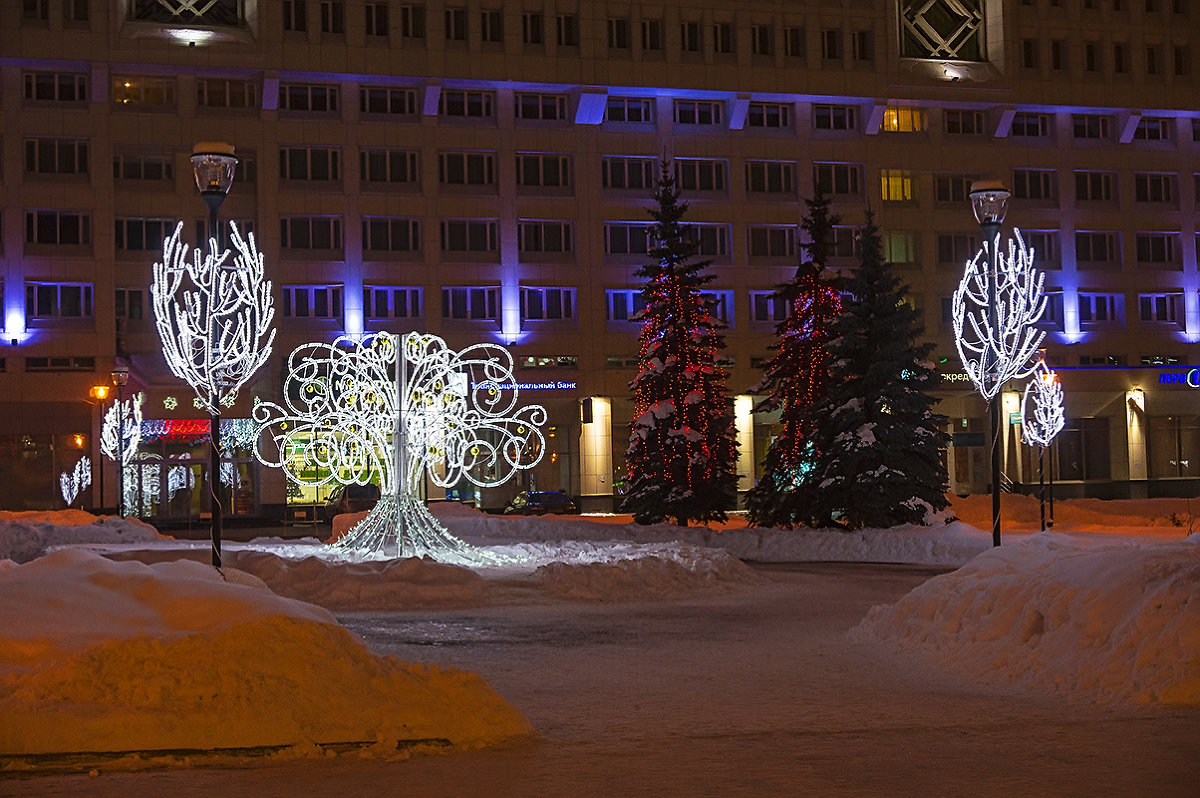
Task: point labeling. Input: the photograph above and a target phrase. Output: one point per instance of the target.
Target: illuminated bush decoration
(120, 436)
(350, 414)
(1046, 419)
(74, 482)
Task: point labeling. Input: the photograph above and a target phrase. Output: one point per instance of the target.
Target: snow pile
(98, 655)
(1169, 517)
(1117, 622)
(26, 535)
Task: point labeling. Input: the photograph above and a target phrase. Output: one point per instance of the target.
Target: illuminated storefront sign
(1190, 378)
(548, 385)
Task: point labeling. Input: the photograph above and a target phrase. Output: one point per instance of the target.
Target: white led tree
(401, 408)
(74, 482)
(215, 320)
(1044, 422)
(120, 436)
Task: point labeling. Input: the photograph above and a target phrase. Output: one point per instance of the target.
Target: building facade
(482, 171)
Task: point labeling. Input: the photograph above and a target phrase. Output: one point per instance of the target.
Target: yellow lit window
(896, 185)
(903, 120)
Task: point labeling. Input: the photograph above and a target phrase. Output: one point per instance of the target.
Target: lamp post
(989, 201)
(100, 393)
(213, 164)
(120, 378)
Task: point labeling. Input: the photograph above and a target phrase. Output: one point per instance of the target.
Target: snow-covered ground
(1092, 612)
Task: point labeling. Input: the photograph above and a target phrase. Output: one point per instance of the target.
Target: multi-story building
(482, 170)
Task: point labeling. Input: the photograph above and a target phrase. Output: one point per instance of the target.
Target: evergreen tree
(682, 449)
(879, 440)
(796, 378)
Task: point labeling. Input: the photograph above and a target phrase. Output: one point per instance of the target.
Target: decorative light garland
(72, 483)
(1047, 420)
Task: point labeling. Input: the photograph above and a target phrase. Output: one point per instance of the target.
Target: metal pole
(991, 233)
(1042, 485)
(1050, 522)
(214, 462)
(121, 451)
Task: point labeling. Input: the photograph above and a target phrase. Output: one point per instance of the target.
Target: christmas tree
(878, 442)
(796, 378)
(682, 449)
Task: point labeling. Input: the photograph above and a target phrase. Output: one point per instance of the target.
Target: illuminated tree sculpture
(401, 408)
(120, 436)
(1045, 422)
(215, 320)
(74, 482)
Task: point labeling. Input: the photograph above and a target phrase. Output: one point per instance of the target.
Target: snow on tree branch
(214, 320)
(994, 323)
(1040, 427)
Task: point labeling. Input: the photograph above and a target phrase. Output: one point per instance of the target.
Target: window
(1154, 187)
(546, 107)
(387, 166)
(626, 238)
(294, 15)
(58, 300)
(862, 48)
(1094, 186)
(57, 227)
(722, 38)
(652, 34)
(844, 242)
(618, 172)
(1155, 247)
(956, 248)
(129, 166)
(56, 156)
(312, 301)
(1052, 316)
(1119, 63)
(836, 178)
(772, 241)
(1029, 53)
(903, 120)
(1153, 128)
(1091, 57)
(491, 25)
(310, 232)
(1173, 442)
(623, 304)
(963, 123)
(793, 43)
(1058, 54)
(75, 10)
(391, 302)
(131, 303)
(376, 19)
(59, 87)
(777, 115)
(532, 27)
(1030, 125)
(900, 247)
(412, 21)
(1093, 247)
(233, 94)
(35, 10)
(1180, 60)
(765, 306)
(304, 97)
(1153, 65)
(543, 236)
(1089, 126)
(831, 44)
(474, 303)
(391, 234)
(628, 109)
(549, 362)
(139, 234)
(310, 163)
(70, 363)
(456, 24)
(896, 185)
(467, 168)
(762, 40)
(1099, 307)
(952, 188)
(468, 235)
(711, 240)
(698, 112)
(618, 33)
(550, 304)
(720, 303)
(568, 30)
(467, 104)
(333, 16)
(835, 117)
(700, 174)
(1164, 308)
(689, 34)
(387, 100)
(143, 91)
(1044, 244)
(224, 235)
(774, 177)
(1033, 184)
(549, 170)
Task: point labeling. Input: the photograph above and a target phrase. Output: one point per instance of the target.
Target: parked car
(351, 499)
(540, 502)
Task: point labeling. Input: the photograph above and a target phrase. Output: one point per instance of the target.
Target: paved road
(749, 693)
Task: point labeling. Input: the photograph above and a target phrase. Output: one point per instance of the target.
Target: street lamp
(213, 164)
(120, 378)
(100, 393)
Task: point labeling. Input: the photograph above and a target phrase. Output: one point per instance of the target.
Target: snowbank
(26, 535)
(98, 655)
(1110, 621)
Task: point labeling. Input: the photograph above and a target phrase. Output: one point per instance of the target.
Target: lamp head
(120, 376)
(989, 201)
(99, 392)
(213, 165)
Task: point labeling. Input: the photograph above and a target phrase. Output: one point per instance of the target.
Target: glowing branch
(72, 483)
(1040, 427)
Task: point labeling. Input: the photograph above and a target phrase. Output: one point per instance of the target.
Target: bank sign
(1189, 378)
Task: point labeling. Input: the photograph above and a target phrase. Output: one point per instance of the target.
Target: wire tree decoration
(997, 343)
(1039, 427)
(74, 482)
(120, 436)
(403, 408)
